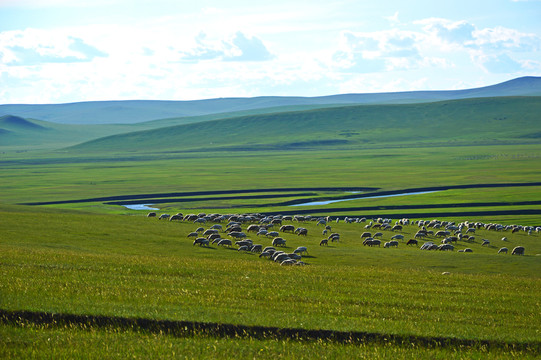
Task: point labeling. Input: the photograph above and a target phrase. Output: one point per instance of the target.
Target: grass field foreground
(138, 267)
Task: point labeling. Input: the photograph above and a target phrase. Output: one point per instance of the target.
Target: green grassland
(103, 259)
(133, 266)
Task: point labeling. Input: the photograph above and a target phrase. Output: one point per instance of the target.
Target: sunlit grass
(139, 267)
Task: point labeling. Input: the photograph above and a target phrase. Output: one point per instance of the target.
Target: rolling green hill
(135, 111)
(17, 133)
(457, 122)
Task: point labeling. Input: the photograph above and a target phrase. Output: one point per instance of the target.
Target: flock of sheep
(272, 227)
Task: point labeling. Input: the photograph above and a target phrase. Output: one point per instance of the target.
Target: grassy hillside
(133, 266)
(134, 111)
(458, 122)
(17, 133)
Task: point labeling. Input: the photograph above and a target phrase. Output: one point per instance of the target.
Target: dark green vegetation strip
(197, 193)
(127, 199)
(186, 328)
(418, 215)
(414, 190)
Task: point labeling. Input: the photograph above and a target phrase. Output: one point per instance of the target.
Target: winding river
(316, 203)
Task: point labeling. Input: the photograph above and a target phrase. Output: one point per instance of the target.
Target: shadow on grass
(192, 328)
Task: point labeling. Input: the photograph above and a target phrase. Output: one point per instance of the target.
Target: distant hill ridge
(496, 120)
(10, 122)
(136, 111)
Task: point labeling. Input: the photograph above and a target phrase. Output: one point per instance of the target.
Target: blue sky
(57, 51)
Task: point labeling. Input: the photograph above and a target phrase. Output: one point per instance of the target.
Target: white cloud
(392, 19)
(212, 50)
(499, 38)
(455, 32)
(40, 4)
(248, 49)
(34, 47)
(238, 47)
(498, 64)
(376, 51)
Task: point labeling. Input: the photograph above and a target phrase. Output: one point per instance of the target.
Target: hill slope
(134, 111)
(17, 133)
(457, 122)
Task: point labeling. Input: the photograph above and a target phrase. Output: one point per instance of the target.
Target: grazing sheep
(397, 237)
(468, 250)
(262, 232)
(278, 241)
(266, 254)
(225, 242)
(365, 241)
(504, 238)
(412, 242)
(372, 242)
(272, 234)
(378, 234)
(192, 234)
(151, 214)
(301, 231)
(294, 256)
(269, 248)
(334, 237)
(301, 250)
(213, 236)
(503, 250)
(324, 232)
(210, 231)
(254, 228)
(201, 220)
(518, 250)
(234, 228)
(201, 241)
(237, 235)
(217, 227)
(256, 248)
(246, 242)
(164, 216)
(244, 248)
(485, 242)
(366, 235)
(446, 247)
(429, 245)
(287, 228)
(324, 242)
(199, 229)
(281, 257)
